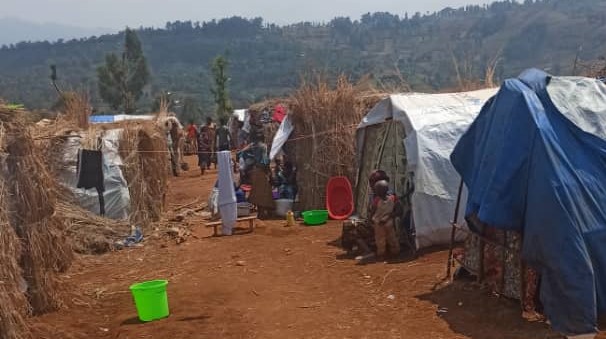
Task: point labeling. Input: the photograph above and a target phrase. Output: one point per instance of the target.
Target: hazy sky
(120, 13)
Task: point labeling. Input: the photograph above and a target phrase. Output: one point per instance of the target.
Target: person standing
(223, 137)
(213, 133)
(192, 136)
(204, 147)
(261, 193)
(383, 210)
(234, 127)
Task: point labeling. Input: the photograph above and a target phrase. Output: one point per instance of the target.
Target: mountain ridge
(431, 52)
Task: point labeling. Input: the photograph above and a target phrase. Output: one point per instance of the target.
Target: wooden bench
(251, 224)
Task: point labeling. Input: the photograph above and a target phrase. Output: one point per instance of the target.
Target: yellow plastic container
(290, 219)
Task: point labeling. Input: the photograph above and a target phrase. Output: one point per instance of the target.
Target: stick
(453, 231)
(385, 278)
(180, 207)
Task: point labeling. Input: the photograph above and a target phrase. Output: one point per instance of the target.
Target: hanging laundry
(90, 169)
(90, 173)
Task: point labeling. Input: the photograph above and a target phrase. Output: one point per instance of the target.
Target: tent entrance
(383, 148)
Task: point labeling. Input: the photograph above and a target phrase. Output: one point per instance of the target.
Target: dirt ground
(276, 283)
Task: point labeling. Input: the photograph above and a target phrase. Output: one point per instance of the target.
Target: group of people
(251, 161)
(209, 139)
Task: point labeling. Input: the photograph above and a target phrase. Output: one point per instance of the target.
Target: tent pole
(453, 231)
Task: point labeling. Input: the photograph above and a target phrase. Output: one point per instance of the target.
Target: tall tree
(122, 79)
(219, 90)
(191, 110)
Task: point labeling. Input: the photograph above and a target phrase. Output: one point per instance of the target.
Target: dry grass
(34, 249)
(33, 196)
(13, 304)
(466, 81)
(76, 109)
(325, 120)
(146, 167)
(88, 232)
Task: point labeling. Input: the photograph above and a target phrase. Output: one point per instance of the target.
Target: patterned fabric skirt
(503, 269)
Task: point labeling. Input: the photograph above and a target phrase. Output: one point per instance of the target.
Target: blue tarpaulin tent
(534, 161)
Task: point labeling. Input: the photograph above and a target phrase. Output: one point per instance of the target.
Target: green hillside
(267, 60)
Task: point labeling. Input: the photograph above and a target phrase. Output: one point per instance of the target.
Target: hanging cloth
(90, 173)
(227, 197)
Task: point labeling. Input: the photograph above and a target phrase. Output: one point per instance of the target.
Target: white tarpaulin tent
(411, 136)
(117, 196)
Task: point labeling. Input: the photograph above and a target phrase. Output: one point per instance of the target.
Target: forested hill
(266, 60)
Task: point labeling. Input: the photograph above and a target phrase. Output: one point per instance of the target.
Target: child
(384, 208)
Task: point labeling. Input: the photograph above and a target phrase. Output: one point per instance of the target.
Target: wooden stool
(251, 224)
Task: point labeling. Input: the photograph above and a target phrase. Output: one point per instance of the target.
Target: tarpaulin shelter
(411, 136)
(116, 194)
(534, 161)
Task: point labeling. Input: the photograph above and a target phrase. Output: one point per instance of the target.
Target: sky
(117, 14)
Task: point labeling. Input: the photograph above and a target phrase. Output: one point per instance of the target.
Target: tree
(219, 90)
(122, 79)
(191, 110)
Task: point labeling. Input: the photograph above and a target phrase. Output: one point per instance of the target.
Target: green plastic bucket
(151, 299)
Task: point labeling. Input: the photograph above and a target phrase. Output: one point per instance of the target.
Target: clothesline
(302, 137)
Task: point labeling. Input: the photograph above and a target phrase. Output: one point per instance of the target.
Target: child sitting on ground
(384, 208)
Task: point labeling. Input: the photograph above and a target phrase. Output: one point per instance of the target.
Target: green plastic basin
(151, 299)
(314, 218)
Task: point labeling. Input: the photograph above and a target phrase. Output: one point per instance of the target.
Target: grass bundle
(325, 120)
(13, 304)
(76, 109)
(33, 247)
(88, 232)
(32, 191)
(146, 161)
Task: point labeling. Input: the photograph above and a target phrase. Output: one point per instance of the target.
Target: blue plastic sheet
(100, 119)
(528, 167)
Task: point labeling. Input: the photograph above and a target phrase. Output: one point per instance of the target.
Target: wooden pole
(453, 231)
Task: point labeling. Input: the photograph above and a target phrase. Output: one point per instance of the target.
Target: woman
(261, 193)
(192, 139)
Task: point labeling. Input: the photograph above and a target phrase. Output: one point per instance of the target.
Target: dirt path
(276, 283)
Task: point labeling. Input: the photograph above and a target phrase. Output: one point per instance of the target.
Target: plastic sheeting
(534, 162)
(117, 197)
(432, 125)
(106, 119)
(286, 128)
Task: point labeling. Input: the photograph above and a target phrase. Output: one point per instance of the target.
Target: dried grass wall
(34, 248)
(325, 120)
(144, 151)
